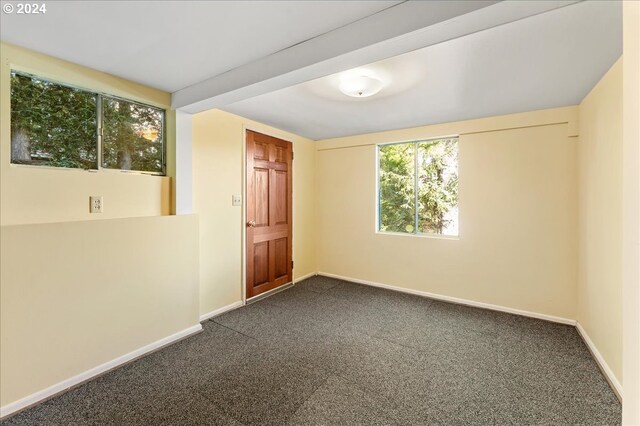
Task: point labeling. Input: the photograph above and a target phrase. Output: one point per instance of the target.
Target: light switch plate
(236, 200)
(95, 204)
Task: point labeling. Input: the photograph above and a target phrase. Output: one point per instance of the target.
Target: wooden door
(269, 213)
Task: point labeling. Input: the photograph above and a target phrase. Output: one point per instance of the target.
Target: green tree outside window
(57, 125)
(431, 168)
(132, 138)
(52, 125)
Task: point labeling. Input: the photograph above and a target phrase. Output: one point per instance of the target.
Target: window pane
(133, 136)
(397, 188)
(438, 186)
(51, 124)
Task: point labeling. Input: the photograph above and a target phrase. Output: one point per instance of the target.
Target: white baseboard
(456, 300)
(608, 374)
(239, 303)
(220, 311)
(304, 277)
(96, 371)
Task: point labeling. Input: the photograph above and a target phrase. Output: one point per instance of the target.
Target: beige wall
(518, 209)
(81, 292)
(218, 139)
(39, 195)
(600, 217)
(631, 213)
(521, 245)
(75, 295)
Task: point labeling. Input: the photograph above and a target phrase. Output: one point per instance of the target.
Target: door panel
(281, 257)
(269, 213)
(261, 262)
(281, 155)
(262, 197)
(281, 204)
(261, 151)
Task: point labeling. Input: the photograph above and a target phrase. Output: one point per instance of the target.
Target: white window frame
(99, 127)
(414, 234)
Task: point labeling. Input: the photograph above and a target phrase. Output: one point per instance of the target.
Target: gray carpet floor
(333, 352)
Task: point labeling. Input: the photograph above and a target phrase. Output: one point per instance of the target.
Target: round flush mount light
(359, 84)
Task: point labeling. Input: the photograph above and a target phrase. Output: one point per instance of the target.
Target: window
(418, 187)
(57, 125)
(52, 125)
(132, 137)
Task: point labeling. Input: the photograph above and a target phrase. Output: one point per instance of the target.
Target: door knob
(251, 223)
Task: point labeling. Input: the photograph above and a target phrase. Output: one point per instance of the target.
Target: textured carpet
(332, 352)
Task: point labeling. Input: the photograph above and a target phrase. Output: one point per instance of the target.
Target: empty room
(320, 212)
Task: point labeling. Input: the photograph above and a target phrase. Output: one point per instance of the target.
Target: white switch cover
(236, 200)
(95, 204)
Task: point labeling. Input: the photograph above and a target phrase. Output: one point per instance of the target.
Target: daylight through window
(418, 187)
(60, 126)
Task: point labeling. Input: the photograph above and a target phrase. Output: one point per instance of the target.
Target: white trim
(457, 300)
(304, 277)
(221, 311)
(376, 208)
(184, 163)
(94, 372)
(606, 371)
(243, 242)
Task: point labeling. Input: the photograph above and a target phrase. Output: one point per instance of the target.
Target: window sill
(102, 170)
(428, 236)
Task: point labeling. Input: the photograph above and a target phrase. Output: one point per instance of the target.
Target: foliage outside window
(60, 126)
(418, 187)
(132, 136)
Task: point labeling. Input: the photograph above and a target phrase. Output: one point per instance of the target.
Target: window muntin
(52, 124)
(56, 125)
(422, 174)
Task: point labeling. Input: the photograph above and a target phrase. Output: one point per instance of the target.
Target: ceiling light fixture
(359, 84)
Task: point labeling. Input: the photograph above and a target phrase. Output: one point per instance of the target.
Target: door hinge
(292, 264)
(291, 155)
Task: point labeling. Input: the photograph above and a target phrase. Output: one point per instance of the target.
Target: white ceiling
(224, 51)
(173, 44)
(398, 29)
(545, 61)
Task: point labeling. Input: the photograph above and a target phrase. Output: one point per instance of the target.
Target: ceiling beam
(399, 29)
